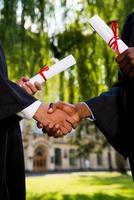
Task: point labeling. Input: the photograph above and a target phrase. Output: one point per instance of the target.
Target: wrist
(41, 113)
(82, 110)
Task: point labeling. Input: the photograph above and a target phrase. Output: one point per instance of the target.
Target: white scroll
(106, 33)
(57, 68)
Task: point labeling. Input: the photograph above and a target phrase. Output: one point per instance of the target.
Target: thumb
(52, 108)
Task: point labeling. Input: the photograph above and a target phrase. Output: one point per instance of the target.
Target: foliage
(35, 33)
(95, 70)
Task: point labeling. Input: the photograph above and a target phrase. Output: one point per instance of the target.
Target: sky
(56, 23)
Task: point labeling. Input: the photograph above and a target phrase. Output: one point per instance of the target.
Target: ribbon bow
(113, 43)
(45, 68)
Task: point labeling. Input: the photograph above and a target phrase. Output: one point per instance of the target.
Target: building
(44, 154)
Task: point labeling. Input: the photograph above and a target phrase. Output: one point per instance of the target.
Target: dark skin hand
(69, 110)
(76, 111)
(59, 121)
(126, 62)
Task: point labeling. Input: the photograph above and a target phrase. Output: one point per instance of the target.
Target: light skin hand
(70, 109)
(28, 87)
(60, 127)
(76, 111)
(126, 62)
(57, 121)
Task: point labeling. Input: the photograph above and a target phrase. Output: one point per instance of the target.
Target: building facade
(44, 154)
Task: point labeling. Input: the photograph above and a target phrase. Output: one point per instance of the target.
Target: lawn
(81, 186)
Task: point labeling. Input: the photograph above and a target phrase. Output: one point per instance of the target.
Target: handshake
(58, 119)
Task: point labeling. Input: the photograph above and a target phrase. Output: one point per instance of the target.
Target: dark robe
(12, 100)
(114, 114)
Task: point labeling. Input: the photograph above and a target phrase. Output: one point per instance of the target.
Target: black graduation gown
(114, 114)
(12, 100)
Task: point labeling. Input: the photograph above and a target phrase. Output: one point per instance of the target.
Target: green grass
(81, 186)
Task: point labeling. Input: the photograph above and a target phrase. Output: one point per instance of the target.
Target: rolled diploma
(106, 32)
(60, 66)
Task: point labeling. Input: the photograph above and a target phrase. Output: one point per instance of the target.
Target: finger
(39, 125)
(60, 105)
(46, 131)
(52, 108)
(64, 130)
(59, 134)
(125, 68)
(118, 58)
(20, 82)
(52, 129)
(124, 63)
(51, 125)
(122, 56)
(49, 134)
(55, 136)
(31, 87)
(27, 89)
(55, 128)
(68, 126)
(73, 122)
(37, 85)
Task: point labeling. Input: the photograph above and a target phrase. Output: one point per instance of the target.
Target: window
(72, 157)
(52, 159)
(99, 158)
(58, 156)
(65, 153)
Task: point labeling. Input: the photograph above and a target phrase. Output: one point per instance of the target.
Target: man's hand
(70, 109)
(58, 123)
(126, 62)
(76, 111)
(29, 87)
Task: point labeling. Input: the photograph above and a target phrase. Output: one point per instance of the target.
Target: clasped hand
(60, 119)
(52, 119)
(55, 119)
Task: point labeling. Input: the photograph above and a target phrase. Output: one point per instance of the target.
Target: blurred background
(82, 165)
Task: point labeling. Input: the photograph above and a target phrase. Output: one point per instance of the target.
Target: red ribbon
(113, 43)
(45, 68)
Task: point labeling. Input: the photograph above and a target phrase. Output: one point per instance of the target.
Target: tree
(29, 43)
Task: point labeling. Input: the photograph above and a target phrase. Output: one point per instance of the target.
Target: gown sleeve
(13, 98)
(109, 112)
